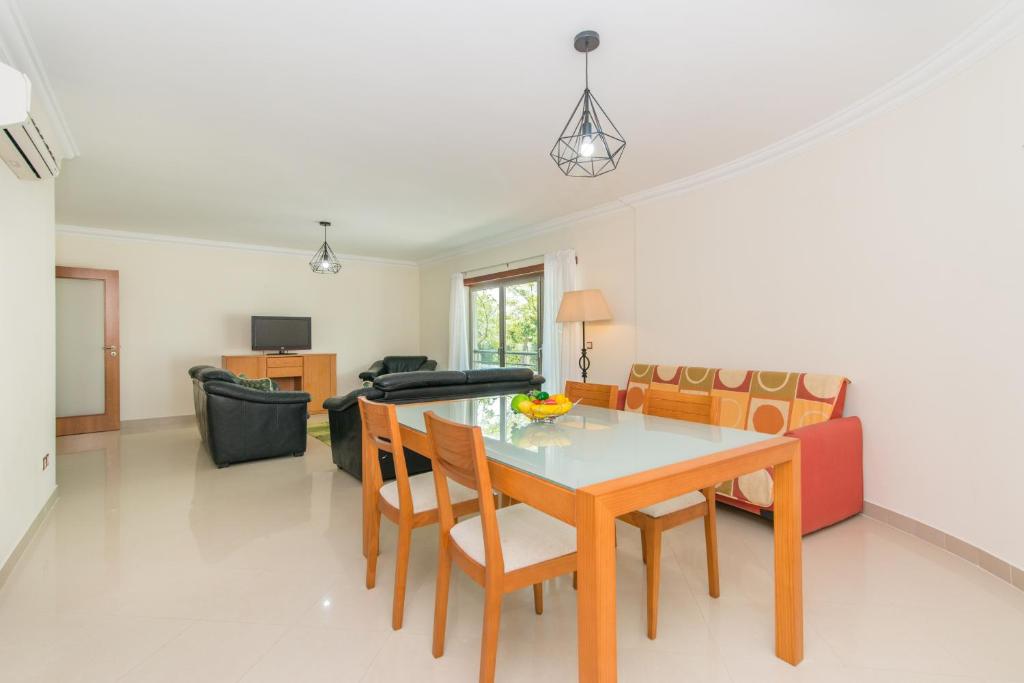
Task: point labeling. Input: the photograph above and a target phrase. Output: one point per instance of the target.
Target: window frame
(500, 283)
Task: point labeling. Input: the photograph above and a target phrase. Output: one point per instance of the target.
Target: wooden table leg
(595, 546)
(368, 493)
(789, 611)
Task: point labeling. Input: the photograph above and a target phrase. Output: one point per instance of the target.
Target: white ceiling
(419, 126)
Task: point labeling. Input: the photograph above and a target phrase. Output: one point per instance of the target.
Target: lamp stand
(584, 361)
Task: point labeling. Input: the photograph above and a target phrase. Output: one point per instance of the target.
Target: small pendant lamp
(324, 261)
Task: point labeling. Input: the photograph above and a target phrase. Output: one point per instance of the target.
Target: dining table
(594, 464)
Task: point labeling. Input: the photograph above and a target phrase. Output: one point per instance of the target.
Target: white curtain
(561, 341)
(458, 325)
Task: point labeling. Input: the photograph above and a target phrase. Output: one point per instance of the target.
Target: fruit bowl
(539, 406)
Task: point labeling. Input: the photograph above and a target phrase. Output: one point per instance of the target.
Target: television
(281, 334)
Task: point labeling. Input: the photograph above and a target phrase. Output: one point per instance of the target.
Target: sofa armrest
(832, 471)
(196, 369)
(241, 393)
(371, 373)
(336, 403)
(429, 365)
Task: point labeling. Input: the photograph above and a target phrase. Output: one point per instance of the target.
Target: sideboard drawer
(284, 362)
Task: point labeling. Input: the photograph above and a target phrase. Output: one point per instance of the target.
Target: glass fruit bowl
(538, 406)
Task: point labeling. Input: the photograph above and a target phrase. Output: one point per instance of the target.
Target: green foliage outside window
(522, 318)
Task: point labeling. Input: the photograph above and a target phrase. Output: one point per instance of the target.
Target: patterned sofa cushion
(767, 402)
(757, 400)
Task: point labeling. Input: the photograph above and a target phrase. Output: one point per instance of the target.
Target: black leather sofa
(392, 364)
(414, 387)
(238, 423)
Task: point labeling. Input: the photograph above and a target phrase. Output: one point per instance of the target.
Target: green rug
(320, 431)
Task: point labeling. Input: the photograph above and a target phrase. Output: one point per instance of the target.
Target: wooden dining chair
(530, 547)
(409, 502)
(598, 395)
(668, 514)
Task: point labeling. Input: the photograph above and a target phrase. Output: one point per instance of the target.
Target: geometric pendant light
(324, 261)
(590, 145)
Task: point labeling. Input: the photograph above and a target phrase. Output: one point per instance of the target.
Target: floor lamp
(583, 306)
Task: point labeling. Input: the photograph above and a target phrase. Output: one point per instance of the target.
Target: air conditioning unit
(24, 149)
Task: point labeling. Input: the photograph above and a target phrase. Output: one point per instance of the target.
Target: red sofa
(806, 406)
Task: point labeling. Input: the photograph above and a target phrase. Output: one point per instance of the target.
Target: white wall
(27, 346)
(890, 253)
(182, 305)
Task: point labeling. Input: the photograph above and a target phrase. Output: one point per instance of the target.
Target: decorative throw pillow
(263, 384)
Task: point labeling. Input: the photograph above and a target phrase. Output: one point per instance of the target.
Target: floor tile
(311, 654)
(213, 651)
(154, 565)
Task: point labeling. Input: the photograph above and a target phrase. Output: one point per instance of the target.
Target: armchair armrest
(231, 390)
(371, 373)
(832, 471)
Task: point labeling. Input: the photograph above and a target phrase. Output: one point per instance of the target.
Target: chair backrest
(459, 455)
(689, 407)
(598, 395)
(381, 433)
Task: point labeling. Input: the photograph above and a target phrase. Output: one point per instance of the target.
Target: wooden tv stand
(315, 373)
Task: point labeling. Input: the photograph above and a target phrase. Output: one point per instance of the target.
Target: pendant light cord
(586, 69)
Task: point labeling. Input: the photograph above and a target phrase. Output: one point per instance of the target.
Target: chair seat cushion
(424, 495)
(528, 537)
(667, 507)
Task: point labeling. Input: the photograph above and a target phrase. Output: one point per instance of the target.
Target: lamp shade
(583, 305)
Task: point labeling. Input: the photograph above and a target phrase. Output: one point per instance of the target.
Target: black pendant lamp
(324, 261)
(590, 145)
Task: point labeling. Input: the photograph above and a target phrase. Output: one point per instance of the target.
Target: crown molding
(525, 232)
(18, 50)
(991, 31)
(986, 35)
(156, 238)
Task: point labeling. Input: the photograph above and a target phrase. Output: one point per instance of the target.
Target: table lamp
(583, 306)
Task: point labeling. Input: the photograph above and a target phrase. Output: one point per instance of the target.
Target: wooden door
(88, 351)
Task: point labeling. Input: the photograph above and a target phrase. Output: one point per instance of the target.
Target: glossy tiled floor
(155, 566)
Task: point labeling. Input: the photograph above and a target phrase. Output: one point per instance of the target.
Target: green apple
(517, 399)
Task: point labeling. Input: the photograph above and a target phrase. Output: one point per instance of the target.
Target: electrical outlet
(46, 461)
(590, 346)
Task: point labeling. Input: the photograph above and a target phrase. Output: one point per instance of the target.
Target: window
(505, 322)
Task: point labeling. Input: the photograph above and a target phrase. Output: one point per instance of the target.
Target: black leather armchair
(390, 364)
(414, 387)
(238, 423)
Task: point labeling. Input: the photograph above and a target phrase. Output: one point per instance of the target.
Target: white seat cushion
(528, 536)
(667, 507)
(424, 495)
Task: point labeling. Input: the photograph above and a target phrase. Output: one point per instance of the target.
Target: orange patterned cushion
(757, 400)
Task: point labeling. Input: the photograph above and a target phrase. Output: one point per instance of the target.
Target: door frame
(110, 418)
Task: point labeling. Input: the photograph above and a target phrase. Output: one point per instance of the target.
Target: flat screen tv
(281, 334)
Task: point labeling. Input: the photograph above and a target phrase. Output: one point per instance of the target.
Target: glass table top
(588, 445)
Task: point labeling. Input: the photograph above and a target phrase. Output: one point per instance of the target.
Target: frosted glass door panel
(81, 382)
